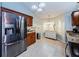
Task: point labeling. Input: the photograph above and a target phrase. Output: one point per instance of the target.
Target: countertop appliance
(11, 34)
(76, 29)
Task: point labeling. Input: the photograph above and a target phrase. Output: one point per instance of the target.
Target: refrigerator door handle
(17, 42)
(10, 44)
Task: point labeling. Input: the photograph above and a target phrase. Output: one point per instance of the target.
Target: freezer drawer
(14, 49)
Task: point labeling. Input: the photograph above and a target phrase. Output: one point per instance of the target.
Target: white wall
(78, 6)
(59, 26)
(0, 4)
(68, 22)
(68, 18)
(38, 25)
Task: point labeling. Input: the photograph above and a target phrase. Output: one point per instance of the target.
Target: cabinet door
(75, 18)
(33, 37)
(30, 38)
(29, 21)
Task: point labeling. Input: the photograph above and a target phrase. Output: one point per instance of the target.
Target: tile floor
(45, 48)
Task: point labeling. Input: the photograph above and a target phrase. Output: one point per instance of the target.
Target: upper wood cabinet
(12, 11)
(29, 20)
(75, 18)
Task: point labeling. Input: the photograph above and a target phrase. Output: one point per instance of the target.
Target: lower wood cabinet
(31, 38)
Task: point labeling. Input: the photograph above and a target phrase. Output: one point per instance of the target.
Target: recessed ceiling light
(34, 7)
(39, 9)
(42, 5)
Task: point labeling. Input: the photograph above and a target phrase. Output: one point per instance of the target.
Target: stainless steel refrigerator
(11, 34)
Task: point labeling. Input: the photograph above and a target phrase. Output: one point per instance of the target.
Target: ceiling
(52, 9)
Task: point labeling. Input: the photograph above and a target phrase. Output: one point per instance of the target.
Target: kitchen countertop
(30, 32)
(72, 34)
(73, 37)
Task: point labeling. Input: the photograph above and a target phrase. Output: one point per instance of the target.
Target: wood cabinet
(75, 18)
(29, 20)
(31, 38)
(12, 11)
(27, 17)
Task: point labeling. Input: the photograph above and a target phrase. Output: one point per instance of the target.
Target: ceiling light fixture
(34, 7)
(38, 7)
(41, 5)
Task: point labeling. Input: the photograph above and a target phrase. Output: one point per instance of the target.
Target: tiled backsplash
(30, 29)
